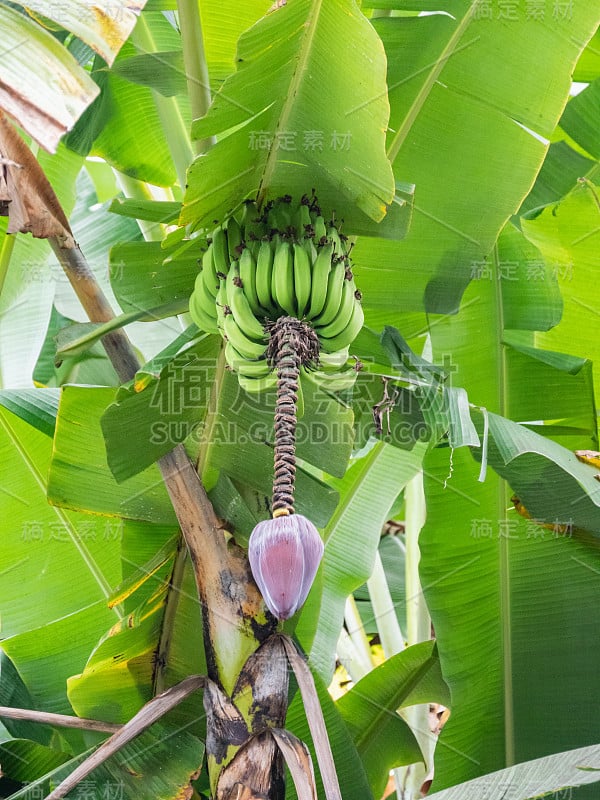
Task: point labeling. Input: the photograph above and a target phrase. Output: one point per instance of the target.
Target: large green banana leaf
(568, 235)
(470, 97)
(383, 739)
(223, 21)
(110, 127)
(505, 596)
(512, 603)
(568, 160)
(588, 66)
(552, 776)
(79, 463)
(320, 113)
(579, 119)
(143, 632)
(46, 544)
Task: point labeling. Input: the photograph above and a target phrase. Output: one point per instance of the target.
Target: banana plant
(338, 286)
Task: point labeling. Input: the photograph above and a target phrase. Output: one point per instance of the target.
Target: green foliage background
(455, 154)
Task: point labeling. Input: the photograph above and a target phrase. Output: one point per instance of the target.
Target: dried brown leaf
(104, 26)
(240, 792)
(26, 196)
(314, 716)
(250, 773)
(225, 726)
(265, 677)
(147, 716)
(62, 720)
(299, 762)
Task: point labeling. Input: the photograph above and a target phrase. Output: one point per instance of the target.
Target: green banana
(252, 223)
(254, 246)
(320, 228)
(332, 233)
(248, 276)
(311, 250)
(200, 316)
(264, 272)
(204, 296)
(258, 385)
(333, 362)
(320, 275)
(249, 213)
(245, 346)
(278, 216)
(221, 305)
(348, 335)
(220, 250)
(234, 238)
(282, 281)
(302, 277)
(302, 220)
(240, 307)
(330, 323)
(333, 299)
(258, 368)
(209, 271)
(339, 382)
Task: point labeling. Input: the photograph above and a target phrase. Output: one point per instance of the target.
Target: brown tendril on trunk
(292, 343)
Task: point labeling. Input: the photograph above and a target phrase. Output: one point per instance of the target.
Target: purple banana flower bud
(284, 554)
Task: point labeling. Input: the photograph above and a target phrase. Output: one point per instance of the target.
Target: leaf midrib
(428, 83)
(402, 692)
(362, 475)
(504, 543)
(288, 105)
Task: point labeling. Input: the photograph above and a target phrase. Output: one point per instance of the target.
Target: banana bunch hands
(282, 262)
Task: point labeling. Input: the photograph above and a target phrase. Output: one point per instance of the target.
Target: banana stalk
(292, 344)
(285, 551)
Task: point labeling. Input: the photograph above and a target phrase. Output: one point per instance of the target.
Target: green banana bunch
(284, 261)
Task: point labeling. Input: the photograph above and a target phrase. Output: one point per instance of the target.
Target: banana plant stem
(172, 123)
(196, 68)
(390, 635)
(418, 630)
(358, 637)
(350, 658)
(418, 619)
